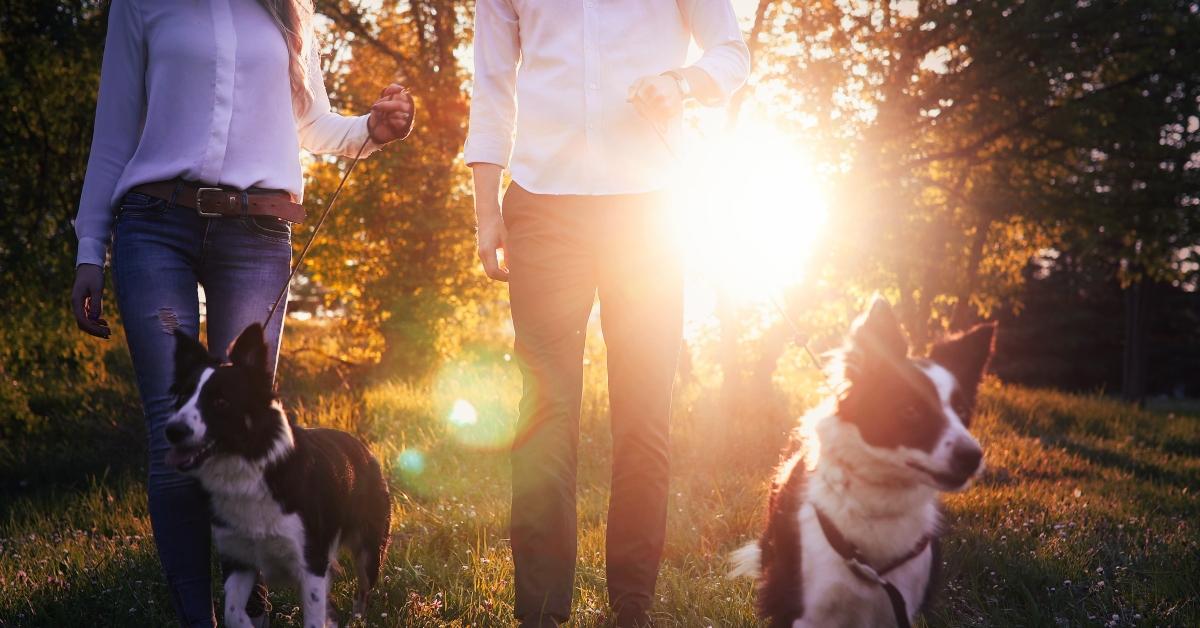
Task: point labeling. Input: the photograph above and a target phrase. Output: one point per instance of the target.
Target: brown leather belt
(220, 202)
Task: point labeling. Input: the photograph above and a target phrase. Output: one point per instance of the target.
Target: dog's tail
(746, 561)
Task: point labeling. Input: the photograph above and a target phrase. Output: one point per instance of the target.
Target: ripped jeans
(161, 252)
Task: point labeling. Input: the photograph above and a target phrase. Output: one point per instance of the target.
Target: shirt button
(593, 86)
(590, 126)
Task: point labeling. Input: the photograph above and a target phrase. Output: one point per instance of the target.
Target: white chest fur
(255, 530)
(835, 596)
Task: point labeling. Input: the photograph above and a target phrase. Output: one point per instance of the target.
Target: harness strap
(864, 571)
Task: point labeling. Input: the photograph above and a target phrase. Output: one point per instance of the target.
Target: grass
(1087, 514)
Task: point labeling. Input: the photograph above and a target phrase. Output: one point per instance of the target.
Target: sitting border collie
(284, 498)
(853, 541)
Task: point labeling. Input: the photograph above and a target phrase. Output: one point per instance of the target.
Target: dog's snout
(966, 459)
(177, 432)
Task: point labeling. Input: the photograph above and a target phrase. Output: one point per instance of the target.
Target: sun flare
(752, 207)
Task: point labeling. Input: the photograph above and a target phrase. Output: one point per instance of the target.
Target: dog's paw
(238, 619)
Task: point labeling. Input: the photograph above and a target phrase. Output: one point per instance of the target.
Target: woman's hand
(392, 115)
(86, 300)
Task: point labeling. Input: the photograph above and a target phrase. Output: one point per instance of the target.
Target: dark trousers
(561, 251)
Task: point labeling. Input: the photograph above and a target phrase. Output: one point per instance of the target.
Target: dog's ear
(875, 339)
(966, 355)
(189, 355)
(250, 349)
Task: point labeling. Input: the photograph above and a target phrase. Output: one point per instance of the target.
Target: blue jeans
(161, 252)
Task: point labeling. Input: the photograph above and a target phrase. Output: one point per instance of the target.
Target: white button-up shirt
(556, 74)
(200, 91)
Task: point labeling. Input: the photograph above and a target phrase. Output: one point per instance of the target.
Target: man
(585, 214)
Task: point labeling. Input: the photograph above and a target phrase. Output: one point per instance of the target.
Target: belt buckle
(200, 198)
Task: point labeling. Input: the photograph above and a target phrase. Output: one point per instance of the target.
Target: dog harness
(864, 571)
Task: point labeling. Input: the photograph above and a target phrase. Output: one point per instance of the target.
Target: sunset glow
(752, 206)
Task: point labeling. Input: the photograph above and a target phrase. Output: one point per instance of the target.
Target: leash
(864, 571)
(316, 231)
(798, 337)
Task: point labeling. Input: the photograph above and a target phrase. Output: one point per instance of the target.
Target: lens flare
(462, 413)
(477, 398)
(410, 462)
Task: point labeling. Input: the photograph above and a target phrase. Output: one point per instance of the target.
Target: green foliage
(49, 70)
(970, 135)
(1083, 517)
(398, 252)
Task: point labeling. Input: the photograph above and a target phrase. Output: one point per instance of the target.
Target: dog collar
(859, 566)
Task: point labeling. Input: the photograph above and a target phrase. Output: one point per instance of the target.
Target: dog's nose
(176, 432)
(966, 459)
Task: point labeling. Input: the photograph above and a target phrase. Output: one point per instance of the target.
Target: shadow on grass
(1141, 469)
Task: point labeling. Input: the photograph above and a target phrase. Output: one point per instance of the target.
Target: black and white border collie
(852, 541)
(284, 499)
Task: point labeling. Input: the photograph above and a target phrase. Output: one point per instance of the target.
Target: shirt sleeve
(726, 58)
(494, 92)
(324, 132)
(120, 107)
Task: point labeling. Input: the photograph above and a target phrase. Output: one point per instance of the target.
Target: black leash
(316, 231)
(864, 571)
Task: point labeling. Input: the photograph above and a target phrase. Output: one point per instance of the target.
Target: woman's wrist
(372, 124)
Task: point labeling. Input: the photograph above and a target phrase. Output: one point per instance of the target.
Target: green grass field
(1087, 513)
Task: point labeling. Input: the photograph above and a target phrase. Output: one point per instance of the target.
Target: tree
(397, 256)
(972, 135)
(49, 72)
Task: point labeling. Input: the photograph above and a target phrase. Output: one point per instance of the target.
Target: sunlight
(751, 209)
(463, 413)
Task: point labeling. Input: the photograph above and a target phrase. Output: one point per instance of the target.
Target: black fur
(336, 486)
(329, 478)
(190, 359)
(780, 590)
(890, 400)
(966, 356)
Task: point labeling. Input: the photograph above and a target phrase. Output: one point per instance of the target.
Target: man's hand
(657, 98)
(392, 115)
(86, 300)
(489, 224)
(491, 235)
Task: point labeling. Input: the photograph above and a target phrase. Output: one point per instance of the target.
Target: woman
(195, 176)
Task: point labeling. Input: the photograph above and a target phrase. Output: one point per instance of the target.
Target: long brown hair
(294, 19)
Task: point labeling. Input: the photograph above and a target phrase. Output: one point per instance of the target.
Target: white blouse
(199, 90)
(552, 80)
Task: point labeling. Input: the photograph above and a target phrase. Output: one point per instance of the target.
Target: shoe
(634, 618)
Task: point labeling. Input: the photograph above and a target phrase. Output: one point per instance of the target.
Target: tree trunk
(919, 332)
(906, 307)
(685, 372)
(731, 370)
(963, 315)
(1133, 367)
